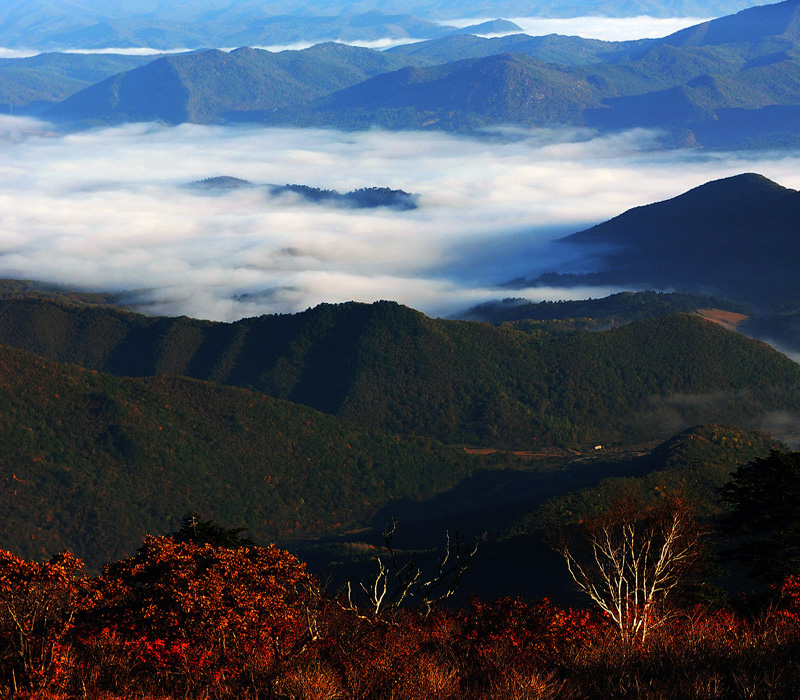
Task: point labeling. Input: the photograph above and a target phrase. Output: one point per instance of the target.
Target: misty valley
(372, 351)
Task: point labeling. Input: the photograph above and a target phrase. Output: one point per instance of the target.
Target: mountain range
(60, 24)
(311, 426)
(317, 426)
(213, 86)
(96, 454)
(731, 82)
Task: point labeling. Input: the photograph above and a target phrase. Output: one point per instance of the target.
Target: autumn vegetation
(206, 613)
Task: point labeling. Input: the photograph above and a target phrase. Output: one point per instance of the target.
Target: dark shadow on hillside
(479, 507)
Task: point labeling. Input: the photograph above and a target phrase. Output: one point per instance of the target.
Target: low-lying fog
(605, 28)
(109, 209)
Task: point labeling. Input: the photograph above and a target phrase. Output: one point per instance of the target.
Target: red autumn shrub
(38, 604)
(202, 613)
(510, 633)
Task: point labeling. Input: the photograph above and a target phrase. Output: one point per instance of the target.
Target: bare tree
(629, 560)
(399, 580)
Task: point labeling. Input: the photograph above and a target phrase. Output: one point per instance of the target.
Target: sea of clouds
(109, 209)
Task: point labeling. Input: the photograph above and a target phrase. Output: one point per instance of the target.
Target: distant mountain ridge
(60, 24)
(212, 86)
(132, 28)
(731, 82)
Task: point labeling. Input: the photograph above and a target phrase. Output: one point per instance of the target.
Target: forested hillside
(388, 367)
(213, 86)
(93, 462)
(613, 310)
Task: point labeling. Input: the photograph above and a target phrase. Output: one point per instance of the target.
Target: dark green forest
(91, 462)
(385, 366)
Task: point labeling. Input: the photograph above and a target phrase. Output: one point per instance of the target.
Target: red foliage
(510, 631)
(203, 611)
(38, 603)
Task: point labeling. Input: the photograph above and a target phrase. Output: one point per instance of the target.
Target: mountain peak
(744, 184)
(735, 237)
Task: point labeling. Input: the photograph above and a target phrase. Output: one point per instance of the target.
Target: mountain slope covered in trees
(213, 86)
(37, 82)
(389, 367)
(93, 462)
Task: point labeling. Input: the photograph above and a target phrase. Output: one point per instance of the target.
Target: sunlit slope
(387, 366)
(93, 462)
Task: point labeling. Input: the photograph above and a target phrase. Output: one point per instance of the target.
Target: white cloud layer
(108, 209)
(605, 28)
(16, 53)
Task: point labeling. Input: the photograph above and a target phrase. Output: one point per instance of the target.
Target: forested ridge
(389, 367)
(696, 463)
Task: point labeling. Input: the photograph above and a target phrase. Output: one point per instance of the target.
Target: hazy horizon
(604, 28)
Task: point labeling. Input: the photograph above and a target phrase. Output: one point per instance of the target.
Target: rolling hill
(37, 82)
(214, 86)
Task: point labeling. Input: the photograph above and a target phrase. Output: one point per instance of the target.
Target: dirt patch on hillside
(529, 454)
(729, 319)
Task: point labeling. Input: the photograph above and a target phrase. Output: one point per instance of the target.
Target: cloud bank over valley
(605, 28)
(109, 209)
